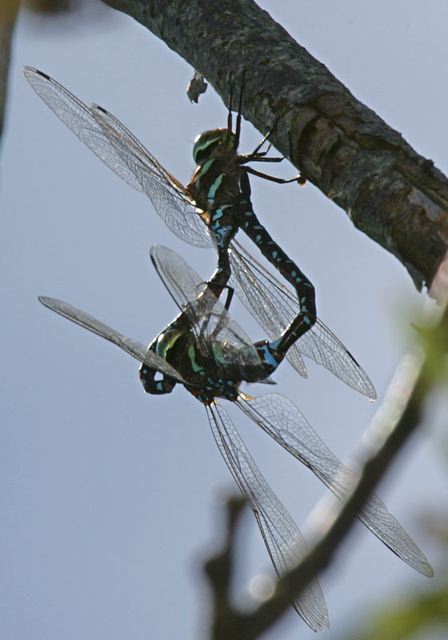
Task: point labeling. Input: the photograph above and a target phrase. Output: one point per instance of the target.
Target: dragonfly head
(212, 144)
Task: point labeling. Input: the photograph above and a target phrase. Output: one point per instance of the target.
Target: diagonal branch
(390, 192)
(395, 422)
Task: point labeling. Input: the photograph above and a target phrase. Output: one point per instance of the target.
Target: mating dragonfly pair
(205, 350)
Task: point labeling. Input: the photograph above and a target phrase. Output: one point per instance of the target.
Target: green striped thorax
(180, 349)
(212, 144)
(217, 177)
(216, 374)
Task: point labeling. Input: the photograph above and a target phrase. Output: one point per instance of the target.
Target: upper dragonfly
(209, 354)
(219, 196)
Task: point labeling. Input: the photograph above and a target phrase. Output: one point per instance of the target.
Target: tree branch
(389, 191)
(219, 570)
(8, 14)
(394, 423)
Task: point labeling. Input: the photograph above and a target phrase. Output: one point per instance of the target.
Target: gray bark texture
(390, 192)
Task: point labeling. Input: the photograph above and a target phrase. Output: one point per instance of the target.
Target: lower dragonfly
(207, 352)
(184, 211)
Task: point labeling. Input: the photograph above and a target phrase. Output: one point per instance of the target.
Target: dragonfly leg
(203, 307)
(256, 152)
(260, 174)
(259, 157)
(229, 297)
(221, 317)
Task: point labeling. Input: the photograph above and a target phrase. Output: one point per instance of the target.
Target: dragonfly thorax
(216, 183)
(210, 374)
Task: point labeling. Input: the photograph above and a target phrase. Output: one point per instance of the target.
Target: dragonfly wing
(281, 419)
(78, 117)
(267, 304)
(326, 349)
(283, 540)
(132, 347)
(182, 282)
(168, 196)
(274, 307)
(118, 148)
(212, 321)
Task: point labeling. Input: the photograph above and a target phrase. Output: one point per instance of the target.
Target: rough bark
(390, 192)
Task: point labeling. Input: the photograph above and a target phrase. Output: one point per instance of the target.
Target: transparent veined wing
(284, 542)
(167, 194)
(208, 317)
(281, 419)
(120, 150)
(266, 298)
(130, 346)
(274, 307)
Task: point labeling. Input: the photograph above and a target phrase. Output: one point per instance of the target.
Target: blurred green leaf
(407, 618)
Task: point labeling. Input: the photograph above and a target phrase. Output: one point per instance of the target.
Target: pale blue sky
(110, 496)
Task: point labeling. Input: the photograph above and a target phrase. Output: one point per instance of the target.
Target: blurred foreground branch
(397, 419)
(8, 15)
(219, 570)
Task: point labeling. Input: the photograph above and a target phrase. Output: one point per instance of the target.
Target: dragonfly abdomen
(290, 271)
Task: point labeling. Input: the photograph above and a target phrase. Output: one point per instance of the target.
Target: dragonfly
(210, 355)
(187, 211)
